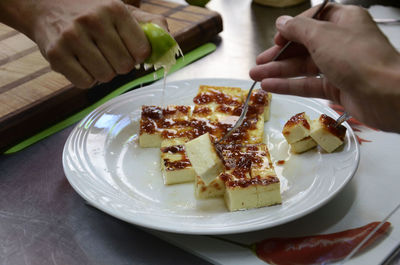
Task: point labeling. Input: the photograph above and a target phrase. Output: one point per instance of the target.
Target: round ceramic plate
(105, 165)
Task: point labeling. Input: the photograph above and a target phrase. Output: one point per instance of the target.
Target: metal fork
(387, 21)
(344, 117)
(246, 103)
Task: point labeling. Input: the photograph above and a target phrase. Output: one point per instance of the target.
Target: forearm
(21, 14)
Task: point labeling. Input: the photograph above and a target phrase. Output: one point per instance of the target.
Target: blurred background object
(132, 2)
(279, 3)
(201, 3)
(364, 3)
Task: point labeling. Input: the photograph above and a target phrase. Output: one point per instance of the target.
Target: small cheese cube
(252, 192)
(268, 190)
(303, 145)
(297, 128)
(219, 99)
(150, 140)
(215, 188)
(268, 108)
(157, 123)
(260, 102)
(240, 193)
(250, 132)
(256, 131)
(218, 108)
(264, 178)
(203, 157)
(175, 165)
(327, 135)
(250, 179)
(150, 121)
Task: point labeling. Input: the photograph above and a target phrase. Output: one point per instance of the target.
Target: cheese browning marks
(239, 169)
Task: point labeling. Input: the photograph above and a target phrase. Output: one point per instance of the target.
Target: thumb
(143, 17)
(299, 29)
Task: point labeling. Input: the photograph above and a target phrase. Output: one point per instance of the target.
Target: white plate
(105, 165)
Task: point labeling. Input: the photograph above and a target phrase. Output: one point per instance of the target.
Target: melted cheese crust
(249, 179)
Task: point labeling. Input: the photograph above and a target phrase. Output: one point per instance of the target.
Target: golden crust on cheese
(297, 128)
(157, 123)
(259, 103)
(175, 165)
(327, 133)
(248, 179)
(218, 95)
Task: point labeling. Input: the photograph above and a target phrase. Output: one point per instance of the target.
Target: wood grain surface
(33, 97)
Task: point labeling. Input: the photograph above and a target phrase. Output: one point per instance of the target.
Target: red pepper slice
(318, 248)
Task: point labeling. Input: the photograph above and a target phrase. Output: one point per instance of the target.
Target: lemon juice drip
(180, 53)
(164, 84)
(166, 63)
(164, 50)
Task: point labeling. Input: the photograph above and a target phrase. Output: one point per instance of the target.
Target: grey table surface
(44, 221)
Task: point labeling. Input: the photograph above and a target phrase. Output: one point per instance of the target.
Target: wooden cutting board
(32, 96)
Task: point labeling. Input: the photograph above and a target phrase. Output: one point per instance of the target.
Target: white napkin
(392, 31)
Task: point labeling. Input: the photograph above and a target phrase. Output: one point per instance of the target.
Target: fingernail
(281, 21)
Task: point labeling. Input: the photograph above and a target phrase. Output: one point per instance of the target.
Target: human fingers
(99, 26)
(344, 14)
(291, 67)
(279, 39)
(267, 55)
(293, 51)
(306, 31)
(329, 12)
(130, 32)
(88, 53)
(305, 87)
(337, 14)
(325, 14)
(64, 62)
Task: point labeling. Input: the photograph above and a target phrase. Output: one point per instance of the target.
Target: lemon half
(164, 47)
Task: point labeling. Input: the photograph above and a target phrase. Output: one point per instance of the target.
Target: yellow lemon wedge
(164, 48)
